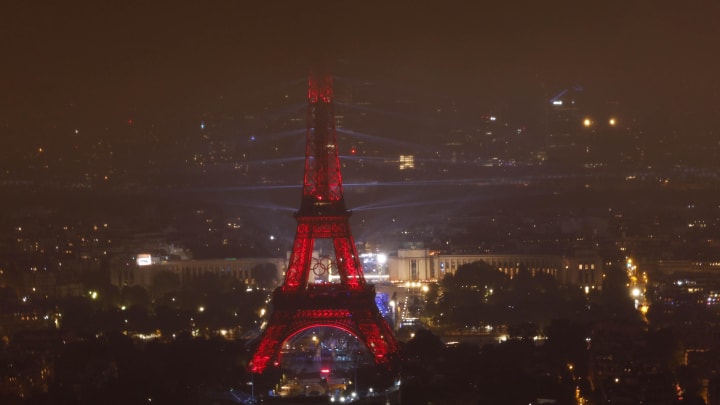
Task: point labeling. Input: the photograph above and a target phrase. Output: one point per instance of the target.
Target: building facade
(422, 265)
(189, 270)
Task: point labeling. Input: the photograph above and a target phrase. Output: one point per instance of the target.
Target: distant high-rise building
(566, 136)
(582, 131)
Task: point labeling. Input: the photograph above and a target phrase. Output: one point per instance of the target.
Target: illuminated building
(583, 270)
(189, 270)
(407, 162)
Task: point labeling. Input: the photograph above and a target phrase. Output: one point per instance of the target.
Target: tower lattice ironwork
(301, 303)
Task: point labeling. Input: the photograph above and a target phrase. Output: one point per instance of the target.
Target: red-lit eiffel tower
(299, 304)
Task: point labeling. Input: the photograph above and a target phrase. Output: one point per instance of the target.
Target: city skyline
(533, 187)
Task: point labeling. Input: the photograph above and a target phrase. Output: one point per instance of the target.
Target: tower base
(353, 311)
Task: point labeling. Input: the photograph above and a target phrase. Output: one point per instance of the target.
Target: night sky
(99, 62)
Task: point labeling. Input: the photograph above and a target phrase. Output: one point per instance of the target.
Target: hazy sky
(115, 58)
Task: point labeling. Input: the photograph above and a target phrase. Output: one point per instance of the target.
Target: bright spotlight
(381, 258)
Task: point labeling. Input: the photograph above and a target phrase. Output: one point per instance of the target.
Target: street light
(392, 308)
(252, 384)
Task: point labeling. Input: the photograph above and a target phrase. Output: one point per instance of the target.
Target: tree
(479, 275)
(170, 320)
(467, 298)
(566, 344)
(424, 346)
(664, 348)
(545, 283)
(265, 275)
(165, 282)
(135, 296)
(75, 314)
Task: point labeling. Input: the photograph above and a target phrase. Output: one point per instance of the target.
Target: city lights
(527, 212)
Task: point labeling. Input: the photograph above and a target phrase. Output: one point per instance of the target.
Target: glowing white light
(144, 259)
(381, 258)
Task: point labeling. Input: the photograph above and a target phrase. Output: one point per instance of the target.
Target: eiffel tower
(300, 303)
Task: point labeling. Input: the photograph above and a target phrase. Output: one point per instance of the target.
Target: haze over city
(88, 65)
(147, 77)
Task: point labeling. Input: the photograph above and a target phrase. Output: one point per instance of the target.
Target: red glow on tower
(348, 305)
(323, 182)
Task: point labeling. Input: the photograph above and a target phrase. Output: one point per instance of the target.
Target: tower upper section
(322, 185)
